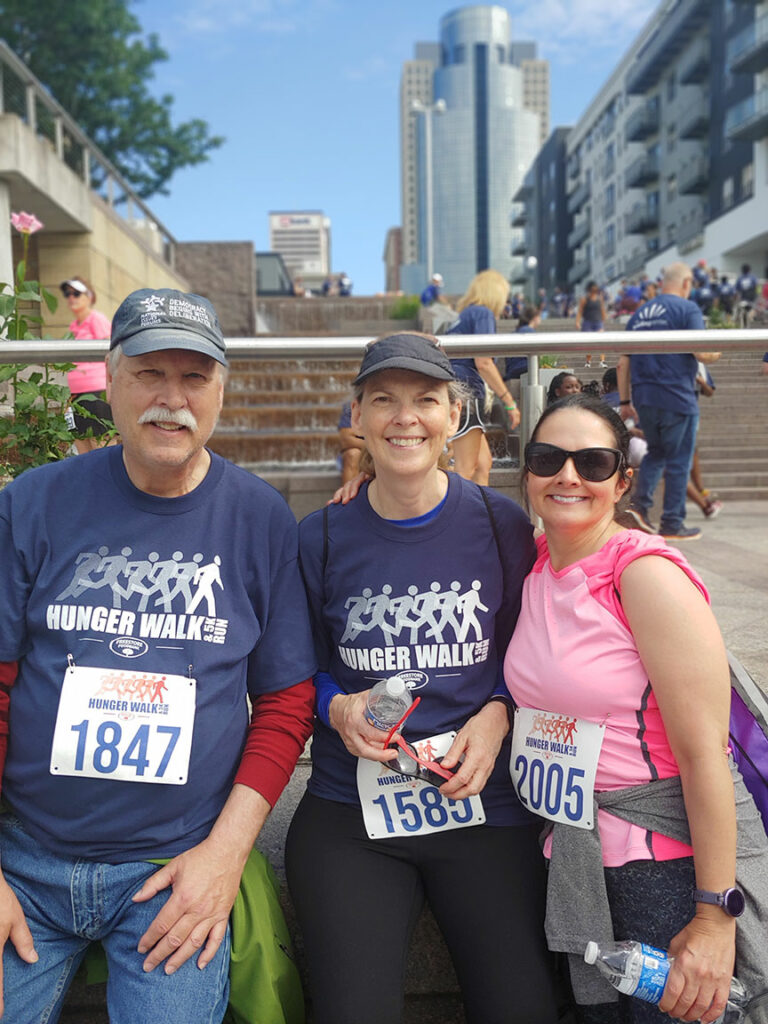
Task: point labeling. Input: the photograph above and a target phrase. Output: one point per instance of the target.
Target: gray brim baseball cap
(153, 319)
(417, 352)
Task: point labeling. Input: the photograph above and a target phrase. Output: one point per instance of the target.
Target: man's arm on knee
(205, 879)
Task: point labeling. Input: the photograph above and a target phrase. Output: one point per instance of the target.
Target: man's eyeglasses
(408, 762)
(592, 464)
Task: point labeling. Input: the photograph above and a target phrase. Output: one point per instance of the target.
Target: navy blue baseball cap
(152, 319)
(420, 353)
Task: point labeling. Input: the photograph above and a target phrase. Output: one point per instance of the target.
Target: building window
(459, 54)
(501, 54)
(670, 88)
(671, 138)
(671, 187)
(748, 181)
(728, 193)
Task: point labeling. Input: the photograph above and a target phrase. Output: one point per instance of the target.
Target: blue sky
(306, 94)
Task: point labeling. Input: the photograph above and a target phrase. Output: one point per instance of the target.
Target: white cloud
(371, 68)
(572, 30)
(208, 17)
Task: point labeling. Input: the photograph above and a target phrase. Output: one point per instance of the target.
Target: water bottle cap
(590, 953)
(395, 686)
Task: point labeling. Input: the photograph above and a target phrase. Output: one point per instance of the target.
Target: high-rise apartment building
(303, 239)
(670, 160)
(466, 148)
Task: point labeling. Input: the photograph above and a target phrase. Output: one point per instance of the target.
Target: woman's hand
(349, 490)
(479, 741)
(700, 977)
(346, 714)
(514, 416)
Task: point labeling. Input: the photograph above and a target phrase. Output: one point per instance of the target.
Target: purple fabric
(749, 745)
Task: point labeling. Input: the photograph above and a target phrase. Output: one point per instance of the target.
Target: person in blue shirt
(432, 292)
(421, 574)
(664, 401)
(156, 661)
(479, 309)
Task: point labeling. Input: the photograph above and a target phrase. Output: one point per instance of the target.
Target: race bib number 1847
(553, 765)
(127, 726)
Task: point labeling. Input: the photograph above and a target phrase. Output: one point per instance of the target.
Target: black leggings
(357, 900)
(651, 901)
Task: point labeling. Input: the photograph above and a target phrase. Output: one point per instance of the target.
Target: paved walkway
(732, 557)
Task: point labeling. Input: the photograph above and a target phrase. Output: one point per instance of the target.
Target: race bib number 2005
(126, 726)
(553, 765)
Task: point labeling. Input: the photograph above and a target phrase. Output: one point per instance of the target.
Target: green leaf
(26, 394)
(50, 300)
(27, 295)
(21, 271)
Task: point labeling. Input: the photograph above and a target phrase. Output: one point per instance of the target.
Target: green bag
(264, 982)
(265, 987)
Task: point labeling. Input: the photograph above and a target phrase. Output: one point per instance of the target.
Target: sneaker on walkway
(682, 533)
(603, 362)
(712, 509)
(641, 520)
(588, 365)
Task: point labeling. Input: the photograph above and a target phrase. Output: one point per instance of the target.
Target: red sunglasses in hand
(408, 762)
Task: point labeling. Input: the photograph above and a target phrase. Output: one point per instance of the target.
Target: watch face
(734, 902)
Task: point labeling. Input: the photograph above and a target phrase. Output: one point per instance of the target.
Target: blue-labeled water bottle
(387, 702)
(640, 970)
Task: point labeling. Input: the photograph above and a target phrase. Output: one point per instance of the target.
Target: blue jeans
(671, 438)
(70, 903)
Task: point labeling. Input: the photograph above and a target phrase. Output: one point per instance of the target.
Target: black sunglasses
(593, 464)
(69, 293)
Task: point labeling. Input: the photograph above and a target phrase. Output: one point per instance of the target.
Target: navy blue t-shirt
(665, 381)
(516, 366)
(206, 585)
(431, 599)
(472, 320)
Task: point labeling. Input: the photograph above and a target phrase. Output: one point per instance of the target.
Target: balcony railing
(641, 218)
(642, 171)
(635, 262)
(654, 59)
(23, 95)
(694, 121)
(690, 230)
(693, 177)
(747, 52)
(518, 217)
(577, 199)
(643, 122)
(695, 67)
(579, 233)
(579, 270)
(748, 121)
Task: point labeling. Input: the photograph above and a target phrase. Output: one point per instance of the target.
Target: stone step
(710, 465)
(739, 493)
(736, 478)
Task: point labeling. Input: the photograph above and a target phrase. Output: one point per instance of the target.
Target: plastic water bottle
(640, 970)
(387, 702)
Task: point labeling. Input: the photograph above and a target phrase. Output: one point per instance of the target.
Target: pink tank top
(573, 652)
(89, 377)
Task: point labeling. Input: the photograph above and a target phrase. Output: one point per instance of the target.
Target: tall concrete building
(466, 148)
(303, 239)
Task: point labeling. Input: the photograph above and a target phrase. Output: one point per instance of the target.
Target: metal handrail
(8, 57)
(456, 346)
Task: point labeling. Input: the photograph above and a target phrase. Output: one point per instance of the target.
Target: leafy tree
(93, 58)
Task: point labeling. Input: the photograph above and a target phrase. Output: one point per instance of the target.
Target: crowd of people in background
(736, 297)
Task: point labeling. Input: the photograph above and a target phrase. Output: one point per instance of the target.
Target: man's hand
(479, 741)
(204, 883)
(13, 926)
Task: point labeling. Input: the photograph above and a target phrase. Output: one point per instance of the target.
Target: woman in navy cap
(420, 576)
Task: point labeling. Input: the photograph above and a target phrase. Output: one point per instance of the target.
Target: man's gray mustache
(159, 414)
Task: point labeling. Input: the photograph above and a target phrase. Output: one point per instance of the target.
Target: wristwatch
(731, 900)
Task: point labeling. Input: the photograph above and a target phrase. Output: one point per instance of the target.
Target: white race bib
(554, 763)
(394, 805)
(123, 725)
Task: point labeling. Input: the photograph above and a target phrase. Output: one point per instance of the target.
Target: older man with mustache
(124, 718)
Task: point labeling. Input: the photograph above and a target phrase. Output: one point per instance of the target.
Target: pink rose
(26, 223)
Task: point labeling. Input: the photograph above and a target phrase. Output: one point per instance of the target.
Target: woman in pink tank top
(616, 639)
(88, 378)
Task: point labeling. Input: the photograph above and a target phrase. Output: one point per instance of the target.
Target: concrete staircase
(733, 431)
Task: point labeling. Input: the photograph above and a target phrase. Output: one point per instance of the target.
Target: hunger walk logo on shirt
(649, 315)
(443, 627)
(150, 597)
